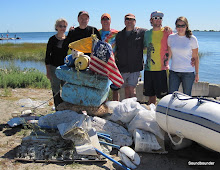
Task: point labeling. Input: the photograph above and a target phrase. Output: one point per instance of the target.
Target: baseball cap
(156, 14)
(130, 16)
(82, 13)
(106, 15)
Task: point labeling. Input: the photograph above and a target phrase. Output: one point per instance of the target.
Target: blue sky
(40, 15)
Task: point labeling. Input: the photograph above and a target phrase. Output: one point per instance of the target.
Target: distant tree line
(208, 30)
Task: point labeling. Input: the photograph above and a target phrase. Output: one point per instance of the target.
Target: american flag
(102, 61)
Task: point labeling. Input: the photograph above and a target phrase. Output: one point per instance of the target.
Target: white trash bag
(146, 120)
(124, 111)
(119, 134)
(59, 117)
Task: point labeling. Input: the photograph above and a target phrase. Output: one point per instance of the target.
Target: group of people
(161, 44)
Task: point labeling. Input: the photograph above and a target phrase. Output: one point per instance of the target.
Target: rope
(198, 98)
(34, 108)
(178, 133)
(77, 67)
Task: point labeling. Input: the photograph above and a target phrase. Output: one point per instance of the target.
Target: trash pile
(65, 136)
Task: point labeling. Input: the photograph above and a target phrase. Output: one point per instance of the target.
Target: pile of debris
(65, 136)
(49, 146)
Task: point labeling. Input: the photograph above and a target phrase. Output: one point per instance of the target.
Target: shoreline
(10, 38)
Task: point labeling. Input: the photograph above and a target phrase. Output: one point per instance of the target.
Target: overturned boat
(197, 119)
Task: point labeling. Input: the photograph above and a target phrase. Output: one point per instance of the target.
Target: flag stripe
(108, 68)
(101, 67)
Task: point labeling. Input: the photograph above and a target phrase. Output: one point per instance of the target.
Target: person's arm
(168, 30)
(71, 28)
(48, 72)
(48, 57)
(116, 46)
(170, 54)
(145, 42)
(195, 55)
(97, 33)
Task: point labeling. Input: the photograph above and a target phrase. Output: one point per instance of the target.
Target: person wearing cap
(107, 33)
(155, 70)
(129, 55)
(82, 31)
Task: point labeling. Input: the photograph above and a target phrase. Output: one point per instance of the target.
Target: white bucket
(145, 141)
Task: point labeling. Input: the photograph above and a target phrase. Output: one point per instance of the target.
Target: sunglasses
(157, 18)
(62, 26)
(105, 19)
(129, 19)
(180, 26)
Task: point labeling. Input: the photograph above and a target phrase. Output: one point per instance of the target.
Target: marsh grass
(23, 52)
(14, 77)
(30, 51)
(202, 54)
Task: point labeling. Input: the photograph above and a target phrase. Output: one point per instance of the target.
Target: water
(209, 43)
(39, 65)
(28, 37)
(209, 67)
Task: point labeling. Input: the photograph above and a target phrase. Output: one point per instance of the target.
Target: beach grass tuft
(14, 77)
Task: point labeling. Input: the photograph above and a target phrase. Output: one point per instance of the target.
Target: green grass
(14, 77)
(23, 52)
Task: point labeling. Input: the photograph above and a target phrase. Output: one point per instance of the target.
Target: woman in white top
(183, 48)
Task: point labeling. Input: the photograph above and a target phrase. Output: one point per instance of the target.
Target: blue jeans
(187, 79)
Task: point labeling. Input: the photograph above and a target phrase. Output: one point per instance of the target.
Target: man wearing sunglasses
(107, 33)
(129, 55)
(155, 74)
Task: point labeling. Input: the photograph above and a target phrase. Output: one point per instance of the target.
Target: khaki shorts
(130, 79)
